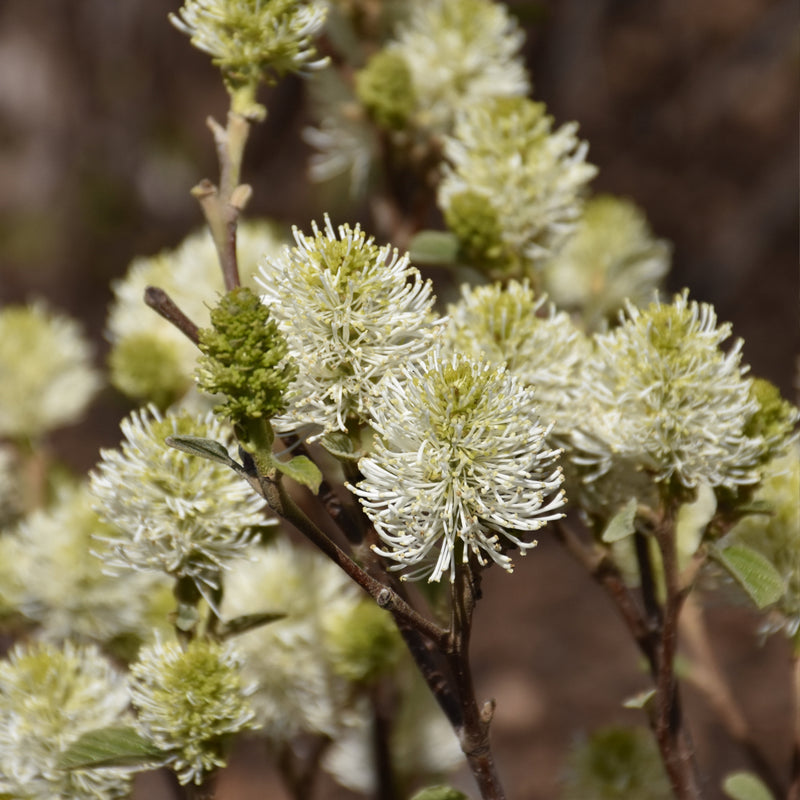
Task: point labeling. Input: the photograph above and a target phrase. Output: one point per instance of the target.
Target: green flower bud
(245, 358)
(384, 87)
(363, 641)
(473, 219)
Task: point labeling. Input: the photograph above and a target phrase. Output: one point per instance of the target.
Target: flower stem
(473, 734)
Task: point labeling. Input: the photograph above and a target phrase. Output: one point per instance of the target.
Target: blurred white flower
(298, 689)
(660, 393)
(350, 310)
(190, 703)
(512, 191)
(172, 512)
(459, 53)
(46, 375)
(460, 466)
(611, 257)
(50, 576)
(50, 697)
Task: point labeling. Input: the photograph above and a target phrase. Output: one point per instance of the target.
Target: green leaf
(303, 470)
(745, 786)
(111, 747)
(753, 572)
(639, 700)
(621, 524)
(248, 622)
(439, 793)
(434, 247)
(204, 448)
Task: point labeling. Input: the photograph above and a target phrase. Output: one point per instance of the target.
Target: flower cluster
(459, 468)
(189, 703)
(151, 360)
(290, 661)
(49, 697)
(349, 310)
(541, 346)
(449, 56)
(47, 575)
(253, 41)
(172, 512)
(512, 191)
(660, 393)
(46, 375)
(611, 257)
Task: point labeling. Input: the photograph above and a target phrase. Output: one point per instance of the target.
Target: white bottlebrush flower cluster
(510, 325)
(349, 310)
(253, 41)
(661, 394)
(460, 466)
(47, 575)
(151, 360)
(46, 373)
(189, 703)
(172, 512)
(459, 53)
(50, 697)
(512, 191)
(611, 257)
(290, 661)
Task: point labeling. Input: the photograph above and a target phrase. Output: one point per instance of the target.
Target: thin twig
(164, 305)
(279, 501)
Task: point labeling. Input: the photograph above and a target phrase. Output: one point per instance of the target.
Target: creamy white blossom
(660, 393)
(46, 373)
(290, 660)
(611, 257)
(460, 466)
(50, 577)
(250, 36)
(49, 697)
(513, 187)
(459, 53)
(513, 326)
(172, 512)
(350, 310)
(190, 702)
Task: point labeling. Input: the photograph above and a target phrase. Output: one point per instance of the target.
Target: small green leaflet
(621, 524)
(111, 747)
(434, 247)
(753, 572)
(439, 793)
(301, 469)
(639, 700)
(204, 448)
(745, 786)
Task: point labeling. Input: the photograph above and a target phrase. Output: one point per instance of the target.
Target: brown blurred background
(690, 109)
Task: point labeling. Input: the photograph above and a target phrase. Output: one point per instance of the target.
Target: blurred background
(690, 110)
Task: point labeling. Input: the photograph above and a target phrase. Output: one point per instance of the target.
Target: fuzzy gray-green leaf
(204, 448)
(753, 572)
(111, 747)
(621, 524)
